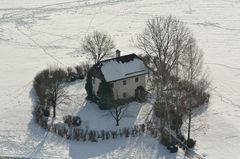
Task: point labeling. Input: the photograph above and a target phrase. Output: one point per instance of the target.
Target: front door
(139, 92)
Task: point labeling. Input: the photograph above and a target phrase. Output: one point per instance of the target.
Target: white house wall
(119, 89)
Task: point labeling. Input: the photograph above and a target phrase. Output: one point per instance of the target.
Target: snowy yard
(35, 34)
(96, 119)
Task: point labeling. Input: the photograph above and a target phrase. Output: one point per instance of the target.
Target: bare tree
(56, 92)
(164, 40)
(98, 44)
(193, 66)
(118, 111)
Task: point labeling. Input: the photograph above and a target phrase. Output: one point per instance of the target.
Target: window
(124, 82)
(136, 79)
(124, 95)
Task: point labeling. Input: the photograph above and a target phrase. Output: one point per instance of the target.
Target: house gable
(128, 86)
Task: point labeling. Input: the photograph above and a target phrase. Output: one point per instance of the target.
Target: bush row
(45, 77)
(72, 131)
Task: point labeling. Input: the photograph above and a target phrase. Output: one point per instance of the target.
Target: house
(126, 75)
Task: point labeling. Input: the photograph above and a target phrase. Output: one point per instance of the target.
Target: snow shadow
(84, 150)
(34, 130)
(131, 148)
(38, 141)
(199, 110)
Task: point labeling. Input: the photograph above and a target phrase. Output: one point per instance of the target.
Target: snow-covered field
(35, 34)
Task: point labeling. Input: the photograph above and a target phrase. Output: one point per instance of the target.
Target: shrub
(85, 136)
(42, 80)
(80, 71)
(107, 135)
(105, 93)
(191, 143)
(94, 136)
(126, 132)
(86, 67)
(173, 149)
(76, 121)
(46, 112)
(76, 133)
(176, 120)
(102, 134)
(69, 73)
(37, 110)
(72, 120)
(68, 119)
(58, 73)
(40, 85)
(120, 133)
(73, 78)
(114, 134)
(181, 137)
(142, 128)
(164, 141)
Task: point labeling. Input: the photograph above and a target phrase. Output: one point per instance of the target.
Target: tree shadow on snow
(199, 110)
(34, 130)
(84, 150)
(37, 137)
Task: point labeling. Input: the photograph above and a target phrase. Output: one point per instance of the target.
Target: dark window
(136, 79)
(124, 95)
(124, 82)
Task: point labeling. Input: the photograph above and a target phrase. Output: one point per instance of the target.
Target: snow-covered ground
(35, 34)
(94, 118)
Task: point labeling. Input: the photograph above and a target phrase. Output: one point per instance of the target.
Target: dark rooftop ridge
(123, 59)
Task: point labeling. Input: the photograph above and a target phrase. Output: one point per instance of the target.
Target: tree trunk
(189, 118)
(117, 122)
(54, 111)
(190, 102)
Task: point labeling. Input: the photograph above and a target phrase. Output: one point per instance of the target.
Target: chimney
(118, 53)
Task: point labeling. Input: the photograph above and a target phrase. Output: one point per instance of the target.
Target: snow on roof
(120, 68)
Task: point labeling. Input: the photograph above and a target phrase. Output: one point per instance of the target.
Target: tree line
(178, 77)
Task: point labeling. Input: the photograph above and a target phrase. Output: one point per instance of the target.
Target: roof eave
(127, 77)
